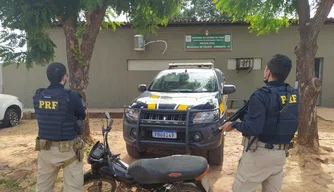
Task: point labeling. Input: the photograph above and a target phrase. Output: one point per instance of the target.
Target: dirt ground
(313, 172)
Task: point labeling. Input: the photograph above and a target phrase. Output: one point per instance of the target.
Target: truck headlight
(131, 113)
(206, 117)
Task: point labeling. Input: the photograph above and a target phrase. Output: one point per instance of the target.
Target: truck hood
(176, 101)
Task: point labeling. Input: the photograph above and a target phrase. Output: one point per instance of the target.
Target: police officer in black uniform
(268, 127)
(59, 113)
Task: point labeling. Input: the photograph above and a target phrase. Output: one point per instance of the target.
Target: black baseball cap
(55, 72)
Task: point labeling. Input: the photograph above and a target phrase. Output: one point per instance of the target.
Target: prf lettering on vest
(293, 98)
(48, 104)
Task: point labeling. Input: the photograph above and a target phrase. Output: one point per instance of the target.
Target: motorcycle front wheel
(187, 187)
(95, 184)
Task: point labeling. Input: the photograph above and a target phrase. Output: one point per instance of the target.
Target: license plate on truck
(164, 134)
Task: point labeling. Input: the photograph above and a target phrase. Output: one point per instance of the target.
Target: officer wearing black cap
(268, 128)
(59, 114)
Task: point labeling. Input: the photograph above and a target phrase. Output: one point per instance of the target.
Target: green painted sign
(210, 42)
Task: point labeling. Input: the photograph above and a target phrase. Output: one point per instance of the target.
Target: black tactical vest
(280, 127)
(52, 112)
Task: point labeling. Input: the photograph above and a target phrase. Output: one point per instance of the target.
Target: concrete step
(116, 113)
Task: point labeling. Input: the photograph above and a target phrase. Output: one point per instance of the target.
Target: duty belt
(275, 146)
(58, 143)
(64, 146)
(246, 140)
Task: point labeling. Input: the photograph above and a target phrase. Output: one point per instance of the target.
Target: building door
(318, 65)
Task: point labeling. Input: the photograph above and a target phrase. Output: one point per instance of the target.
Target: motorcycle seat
(168, 169)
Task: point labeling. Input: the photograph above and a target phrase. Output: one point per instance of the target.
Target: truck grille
(160, 116)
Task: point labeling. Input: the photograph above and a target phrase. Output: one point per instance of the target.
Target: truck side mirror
(142, 88)
(229, 89)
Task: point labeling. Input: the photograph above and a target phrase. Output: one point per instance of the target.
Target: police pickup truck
(179, 110)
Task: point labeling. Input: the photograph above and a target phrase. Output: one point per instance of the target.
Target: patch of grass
(9, 184)
(33, 185)
(31, 188)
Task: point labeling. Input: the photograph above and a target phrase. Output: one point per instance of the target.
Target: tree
(271, 15)
(199, 10)
(81, 21)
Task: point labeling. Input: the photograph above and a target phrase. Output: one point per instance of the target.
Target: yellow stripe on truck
(222, 104)
(222, 107)
(152, 103)
(182, 107)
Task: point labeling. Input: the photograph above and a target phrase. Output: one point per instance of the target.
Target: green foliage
(91, 4)
(146, 15)
(263, 16)
(40, 48)
(33, 17)
(81, 28)
(78, 56)
(108, 20)
(10, 41)
(199, 10)
(9, 184)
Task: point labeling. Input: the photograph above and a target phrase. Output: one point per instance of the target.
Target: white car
(11, 110)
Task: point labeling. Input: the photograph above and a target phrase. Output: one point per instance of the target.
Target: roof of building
(214, 22)
(181, 23)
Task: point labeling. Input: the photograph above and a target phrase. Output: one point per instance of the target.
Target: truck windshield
(184, 81)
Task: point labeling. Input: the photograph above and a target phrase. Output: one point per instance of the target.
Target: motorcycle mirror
(107, 114)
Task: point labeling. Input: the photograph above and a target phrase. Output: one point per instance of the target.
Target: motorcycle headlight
(206, 117)
(132, 113)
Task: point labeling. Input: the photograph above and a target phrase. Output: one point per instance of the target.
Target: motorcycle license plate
(206, 185)
(164, 134)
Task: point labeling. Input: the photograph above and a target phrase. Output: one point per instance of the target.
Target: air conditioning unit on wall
(244, 64)
(139, 43)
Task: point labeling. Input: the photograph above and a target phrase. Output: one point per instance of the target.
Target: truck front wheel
(134, 152)
(216, 155)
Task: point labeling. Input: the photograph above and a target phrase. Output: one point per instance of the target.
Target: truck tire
(133, 151)
(201, 153)
(216, 155)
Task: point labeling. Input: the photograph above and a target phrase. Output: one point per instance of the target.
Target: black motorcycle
(167, 174)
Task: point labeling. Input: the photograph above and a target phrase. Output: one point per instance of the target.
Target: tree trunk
(309, 88)
(79, 56)
(308, 85)
(86, 133)
(78, 76)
